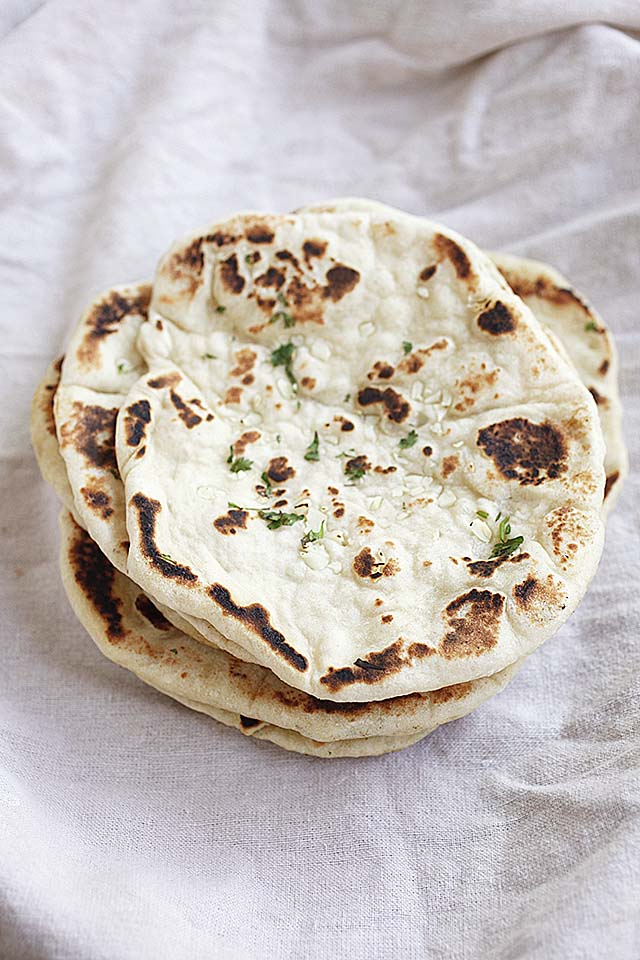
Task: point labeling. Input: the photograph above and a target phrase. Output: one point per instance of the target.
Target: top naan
(348, 423)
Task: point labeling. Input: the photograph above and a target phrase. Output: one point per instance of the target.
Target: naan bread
(589, 344)
(266, 331)
(130, 630)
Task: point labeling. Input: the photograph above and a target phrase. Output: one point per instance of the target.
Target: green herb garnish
(312, 535)
(165, 556)
(407, 346)
(354, 472)
(347, 397)
(312, 449)
(409, 440)
(482, 514)
(238, 464)
(264, 476)
(122, 366)
(506, 545)
(277, 518)
(590, 326)
(283, 315)
(220, 308)
(173, 650)
(209, 356)
(248, 259)
(282, 356)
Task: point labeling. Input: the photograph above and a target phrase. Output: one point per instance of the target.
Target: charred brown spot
(355, 464)
(598, 397)
(308, 383)
(188, 417)
(427, 451)
(381, 371)
(523, 592)
(473, 621)
(231, 522)
(97, 500)
(221, 239)
(418, 651)
(245, 362)
(256, 619)
(449, 464)
(287, 255)
(247, 723)
(454, 692)
(230, 276)
(377, 666)
(96, 578)
(524, 451)
(137, 416)
(472, 385)
(497, 319)
(240, 445)
(386, 617)
(537, 598)
(368, 568)
(448, 249)
(313, 248)
(365, 524)
(92, 434)
(384, 470)
(272, 278)
(253, 257)
(260, 233)
(544, 289)
(106, 317)
(148, 510)
(411, 363)
(603, 368)
(338, 511)
(346, 426)
(233, 395)
(333, 491)
(151, 613)
(395, 406)
(165, 380)
(486, 568)
(279, 470)
(609, 482)
(340, 281)
(428, 272)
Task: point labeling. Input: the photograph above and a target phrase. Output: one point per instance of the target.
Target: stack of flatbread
(333, 475)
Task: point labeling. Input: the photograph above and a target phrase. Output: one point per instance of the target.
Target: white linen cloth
(132, 828)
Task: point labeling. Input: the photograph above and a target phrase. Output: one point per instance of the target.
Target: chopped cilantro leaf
(282, 356)
(264, 476)
(312, 535)
(122, 366)
(347, 397)
(165, 556)
(173, 650)
(209, 356)
(482, 514)
(506, 548)
(409, 440)
(354, 472)
(590, 326)
(312, 449)
(277, 518)
(407, 346)
(220, 308)
(238, 464)
(506, 545)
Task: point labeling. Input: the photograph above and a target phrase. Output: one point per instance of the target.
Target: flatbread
(401, 594)
(589, 343)
(129, 630)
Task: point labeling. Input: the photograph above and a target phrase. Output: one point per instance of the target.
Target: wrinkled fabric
(132, 828)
